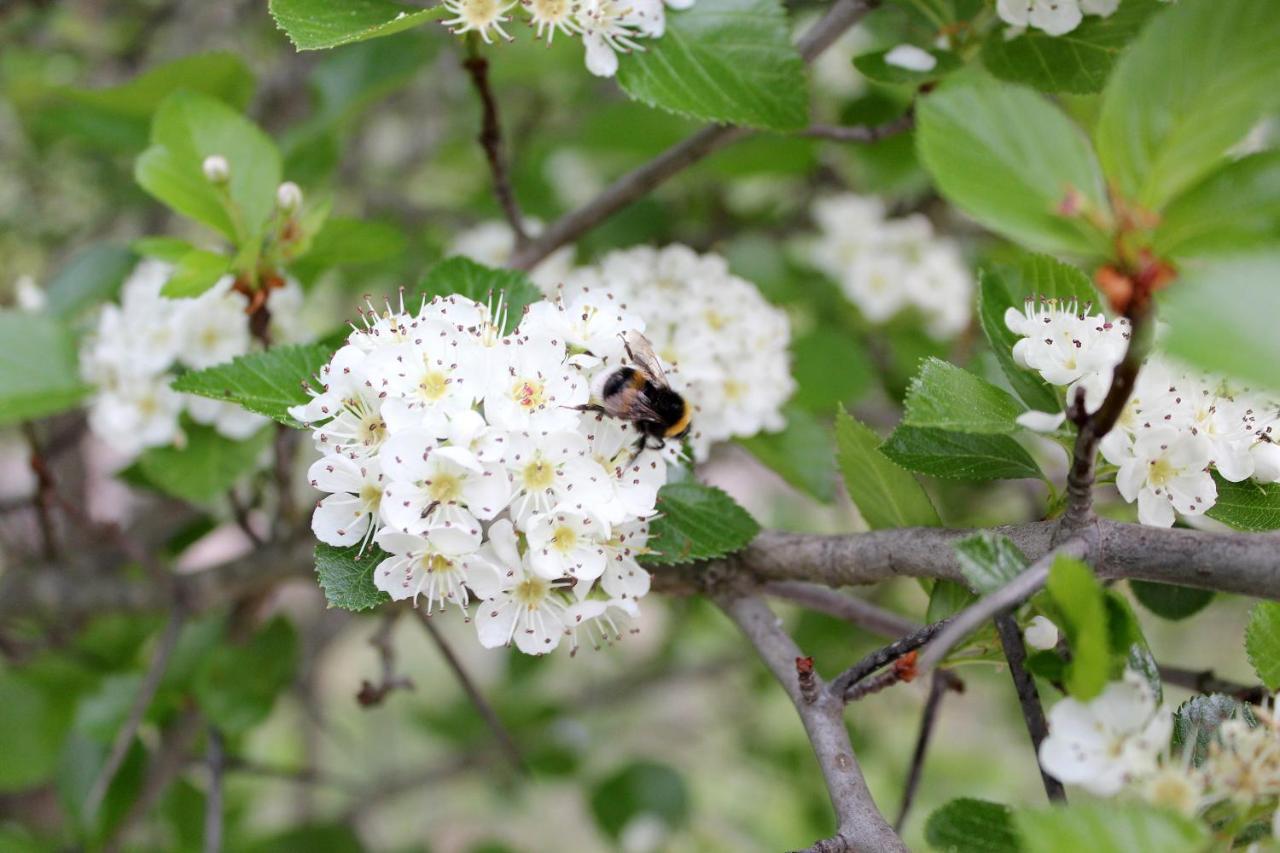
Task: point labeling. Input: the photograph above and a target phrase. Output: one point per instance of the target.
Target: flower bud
(216, 169)
(1041, 634)
(288, 197)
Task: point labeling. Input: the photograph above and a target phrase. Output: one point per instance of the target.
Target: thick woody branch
(640, 181)
(860, 824)
(490, 139)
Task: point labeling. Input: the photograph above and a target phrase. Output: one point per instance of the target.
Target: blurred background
(674, 739)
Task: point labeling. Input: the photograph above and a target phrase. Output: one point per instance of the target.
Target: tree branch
(863, 133)
(640, 181)
(941, 681)
(213, 797)
(844, 683)
(860, 824)
(1016, 654)
(373, 694)
(851, 609)
(1204, 681)
(490, 140)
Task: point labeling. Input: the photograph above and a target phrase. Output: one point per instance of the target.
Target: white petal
(339, 521)
(1041, 421)
(601, 60)
(495, 621)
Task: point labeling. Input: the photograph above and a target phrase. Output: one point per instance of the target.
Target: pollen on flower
(479, 16)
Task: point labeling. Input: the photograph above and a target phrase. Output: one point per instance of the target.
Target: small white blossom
(911, 58)
(216, 169)
(1041, 633)
(288, 197)
(610, 27)
(484, 17)
(1167, 470)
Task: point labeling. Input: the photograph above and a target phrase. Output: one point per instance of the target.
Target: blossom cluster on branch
(1055, 17)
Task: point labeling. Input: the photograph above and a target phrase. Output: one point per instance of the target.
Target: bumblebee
(639, 394)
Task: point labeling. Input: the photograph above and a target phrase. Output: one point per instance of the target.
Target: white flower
(636, 478)
(437, 568)
(599, 619)
(215, 329)
(567, 544)
(1055, 17)
(137, 413)
(478, 16)
(288, 197)
(538, 389)
(439, 486)
(1167, 470)
(1068, 346)
(29, 296)
(911, 58)
(623, 576)
(519, 605)
(1110, 740)
(610, 27)
(547, 16)
(216, 169)
(350, 514)
(1041, 634)
(553, 469)
(228, 419)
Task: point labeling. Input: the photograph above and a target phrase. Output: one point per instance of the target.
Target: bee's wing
(641, 352)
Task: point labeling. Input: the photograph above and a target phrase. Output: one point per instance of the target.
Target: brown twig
(1204, 681)
(166, 764)
(240, 512)
(373, 694)
(942, 681)
(215, 760)
(43, 499)
(505, 742)
(844, 683)
(490, 140)
(1032, 711)
(862, 133)
(851, 609)
(902, 669)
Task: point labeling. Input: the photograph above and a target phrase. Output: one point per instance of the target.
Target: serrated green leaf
(1081, 613)
(1076, 62)
(1010, 159)
(39, 375)
(994, 300)
(205, 468)
(1035, 276)
(1236, 207)
(874, 67)
(989, 561)
(475, 281)
(319, 24)
(946, 599)
(972, 826)
(729, 61)
(944, 396)
(1199, 76)
(1247, 505)
(697, 522)
(238, 684)
(346, 576)
(1108, 828)
(1169, 601)
(189, 127)
(1262, 642)
(196, 272)
(266, 382)
(886, 495)
(1199, 718)
(960, 456)
(91, 277)
(1229, 298)
(800, 453)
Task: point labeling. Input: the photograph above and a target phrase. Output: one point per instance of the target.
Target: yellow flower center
(538, 475)
(733, 390)
(1162, 471)
(436, 563)
(370, 496)
(529, 393)
(531, 591)
(444, 488)
(433, 386)
(564, 538)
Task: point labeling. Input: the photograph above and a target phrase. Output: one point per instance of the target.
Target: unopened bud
(216, 169)
(1041, 634)
(288, 197)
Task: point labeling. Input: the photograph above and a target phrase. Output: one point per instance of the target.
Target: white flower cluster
(886, 265)
(1176, 426)
(460, 451)
(1055, 17)
(491, 243)
(724, 345)
(139, 344)
(606, 27)
(1119, 743)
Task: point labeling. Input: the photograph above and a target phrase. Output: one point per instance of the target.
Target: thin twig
(137, 711)
(1028, 697)
(44, 496)
(862, 133)
(240, 512)
(942, 681)
(170, 758)
(902, 669)
(505, 741)
(373, 694)
(215, 760)
(851, 609)
(1204, 681)
(490, 139)
(843, 683)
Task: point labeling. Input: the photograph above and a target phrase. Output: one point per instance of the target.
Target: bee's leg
(641, 444)
(626, 346)
(589, 407)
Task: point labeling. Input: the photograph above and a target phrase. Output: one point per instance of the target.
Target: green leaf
(874, 67)
(972, 826)
(1262, 643)
(1236, 207)
(819, 388)
(91, 277)
(1108, 827)
(994, 300)
(946, 599)
(266, 382)
(196, 272)
(188, 128)
(117, 118)
(1247, 505)
(319, 24)
(1078, 61)
(960, 456)
(697, 522)
(341, 241)
(238, 684)
(1036, 276)
(38, 720)
(346, 575)
(1082, 616)
(886, 495)
(944, 396)
(39, 375)
(1200, 75)
(1199, 719)
(640, 788)
(465, 277)
(729, 61)
(800, 454)
(1169, 601)
(169, 249)
(1010, 159)
(205, 468)
(1230, 298)
(989, 561)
